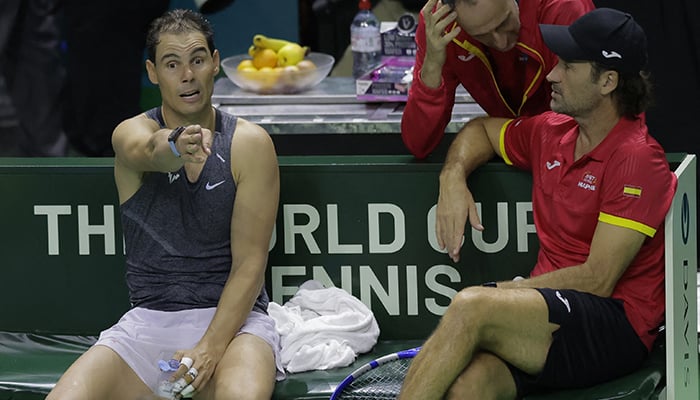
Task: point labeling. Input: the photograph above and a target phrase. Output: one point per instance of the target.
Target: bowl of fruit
(277, 66)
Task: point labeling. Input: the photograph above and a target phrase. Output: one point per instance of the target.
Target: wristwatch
(172, 138)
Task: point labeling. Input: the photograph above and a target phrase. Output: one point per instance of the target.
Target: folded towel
(322, 328)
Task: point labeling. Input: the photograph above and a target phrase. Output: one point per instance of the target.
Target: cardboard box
(399, 38)
(391, 80)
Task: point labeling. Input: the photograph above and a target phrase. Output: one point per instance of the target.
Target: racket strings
(383, 382)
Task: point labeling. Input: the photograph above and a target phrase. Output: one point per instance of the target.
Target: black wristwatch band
(490, 284)
(172, 138)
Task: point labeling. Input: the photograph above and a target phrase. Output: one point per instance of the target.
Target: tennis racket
(378, 379)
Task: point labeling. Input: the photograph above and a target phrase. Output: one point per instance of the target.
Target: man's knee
(469, 306)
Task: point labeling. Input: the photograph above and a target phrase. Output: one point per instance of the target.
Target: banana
(253, 49)
(269, 43)
(291, 54)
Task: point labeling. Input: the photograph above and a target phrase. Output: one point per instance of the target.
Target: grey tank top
(178, 233)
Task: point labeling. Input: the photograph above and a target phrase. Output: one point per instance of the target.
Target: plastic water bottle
(365, 40)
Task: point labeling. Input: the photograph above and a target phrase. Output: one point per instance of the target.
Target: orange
(244, 64)
(288, 74)
(305, 65)
(267, 77)
(265, 58)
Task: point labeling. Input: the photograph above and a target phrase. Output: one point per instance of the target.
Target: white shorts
(143, 336)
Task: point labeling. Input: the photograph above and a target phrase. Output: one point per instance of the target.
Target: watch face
(175, 133)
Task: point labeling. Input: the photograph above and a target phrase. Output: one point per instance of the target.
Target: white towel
(322, 328)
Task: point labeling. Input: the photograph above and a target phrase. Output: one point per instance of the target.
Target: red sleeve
(516, 141)
(563, 12)
(638, 189)
(427, 111)
(523, 138)
(558, 12)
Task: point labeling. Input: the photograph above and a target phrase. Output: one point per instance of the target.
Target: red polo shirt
(507, 85)
(625, 181)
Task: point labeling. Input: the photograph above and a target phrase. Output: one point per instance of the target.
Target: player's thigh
(247, 371)
(99, 374)
(511, 323)
(486, 377)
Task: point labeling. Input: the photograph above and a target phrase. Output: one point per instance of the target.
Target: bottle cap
(166, 366)
(365, 5)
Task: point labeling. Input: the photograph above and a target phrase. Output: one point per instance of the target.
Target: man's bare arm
(475, 144)
(612, 249)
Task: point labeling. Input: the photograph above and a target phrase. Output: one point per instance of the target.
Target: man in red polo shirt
(591, 308)
(493, 48)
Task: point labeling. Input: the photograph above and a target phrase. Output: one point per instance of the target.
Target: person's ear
(151, 70)
(217, 61)
(611, 79)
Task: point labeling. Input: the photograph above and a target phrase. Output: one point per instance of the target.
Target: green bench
(360, 223)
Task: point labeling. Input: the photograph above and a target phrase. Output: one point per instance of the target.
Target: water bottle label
(366, 42)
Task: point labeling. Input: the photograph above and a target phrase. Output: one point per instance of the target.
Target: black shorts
(595, 343)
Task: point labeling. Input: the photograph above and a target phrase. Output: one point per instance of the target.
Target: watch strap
(172, 138)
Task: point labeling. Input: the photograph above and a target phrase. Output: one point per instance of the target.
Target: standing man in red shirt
(591, 308)
(494, 49)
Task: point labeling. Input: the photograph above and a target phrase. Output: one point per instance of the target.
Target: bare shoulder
(250, 137)
(249, 131)
(251, 148)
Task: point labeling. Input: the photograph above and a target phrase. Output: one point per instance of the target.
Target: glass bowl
(278, 80)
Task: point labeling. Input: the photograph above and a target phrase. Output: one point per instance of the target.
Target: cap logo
(611, 54)
(607, 36)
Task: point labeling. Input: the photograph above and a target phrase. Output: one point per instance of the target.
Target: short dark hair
(633, 94)
(178, 21)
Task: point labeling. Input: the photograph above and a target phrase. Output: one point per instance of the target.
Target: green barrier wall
(369, 228)
(681, 292)
(365, 224)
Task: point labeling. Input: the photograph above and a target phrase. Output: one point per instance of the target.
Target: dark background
(673, 34)
(672, 27)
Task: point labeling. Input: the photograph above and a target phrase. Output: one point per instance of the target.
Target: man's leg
(484, 367)
(99, 374)
(512, 324)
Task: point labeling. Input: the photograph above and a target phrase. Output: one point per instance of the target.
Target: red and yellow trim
(632, 191)
(627, 223)
(502, 142)
(536, 78)
(468, 46)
